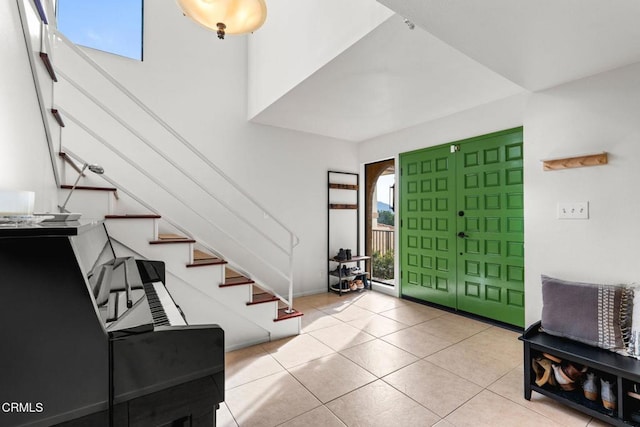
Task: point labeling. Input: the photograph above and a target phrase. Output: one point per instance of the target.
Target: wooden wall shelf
(343, 186)
(342, 206)
(575, 162)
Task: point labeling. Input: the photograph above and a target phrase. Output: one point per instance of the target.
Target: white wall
(198, 84)
(592, 115)
(316, 32)
(25, 163)
(503, 114)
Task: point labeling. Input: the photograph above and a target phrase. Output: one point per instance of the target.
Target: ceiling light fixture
(226, 16)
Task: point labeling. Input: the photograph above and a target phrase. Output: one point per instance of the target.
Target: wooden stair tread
(56, 115)
(205, 262)
(48, 65)
(171, 238)
(229, 273)
(236, 281)
(283, 315)
(263, 297)
(133, 216)
(199, 255)
(86, 187)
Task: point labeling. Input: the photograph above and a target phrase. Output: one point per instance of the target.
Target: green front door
(461, 228)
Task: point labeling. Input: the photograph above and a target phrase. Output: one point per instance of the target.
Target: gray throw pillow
(598, 315)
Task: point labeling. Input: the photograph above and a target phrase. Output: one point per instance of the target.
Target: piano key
(163, 309)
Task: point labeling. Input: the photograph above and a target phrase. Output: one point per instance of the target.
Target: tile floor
(368, 359)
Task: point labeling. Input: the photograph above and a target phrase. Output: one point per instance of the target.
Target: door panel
(490, 263)
(462, 228)
(427, 228)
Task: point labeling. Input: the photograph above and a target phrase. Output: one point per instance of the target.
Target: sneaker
(608, 394)
(590, 386)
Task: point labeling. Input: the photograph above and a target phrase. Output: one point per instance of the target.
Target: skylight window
(113, 26)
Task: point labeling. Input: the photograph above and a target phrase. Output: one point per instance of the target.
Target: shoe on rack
(551, 357)
(565, 383)
(607, 391)
(590, 386)
(574, 371)
(353, 286)
(542, 368)
(341, 256)
(348, 253)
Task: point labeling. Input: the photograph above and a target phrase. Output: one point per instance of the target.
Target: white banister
(292, 241)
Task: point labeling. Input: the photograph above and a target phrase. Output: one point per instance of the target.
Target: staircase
(231, 266)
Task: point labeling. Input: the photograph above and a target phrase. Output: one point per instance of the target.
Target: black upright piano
(91, 339)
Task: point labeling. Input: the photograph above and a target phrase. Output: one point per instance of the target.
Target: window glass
(113, 26)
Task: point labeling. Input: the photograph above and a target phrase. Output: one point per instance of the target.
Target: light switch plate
(573, 210)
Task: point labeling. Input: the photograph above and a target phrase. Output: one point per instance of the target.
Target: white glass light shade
(239, 16)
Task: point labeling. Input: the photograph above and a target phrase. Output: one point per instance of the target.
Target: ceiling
(461, 54)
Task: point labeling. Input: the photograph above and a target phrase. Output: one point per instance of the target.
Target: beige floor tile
(444, 423)
(224, 417)
(490, 410)
(597, 423)
(378, 404)
(297, 350)
(248, 364)
(377, 302)
(416, 341)
(379, 357)
(317, 300)
(453, 327)
(412, 314)
(377, 325)
(435, 388)
(335, 301)
(319, 417)
(481, 368)
(331, 376)
(341, 337)
(500, 343)
(269, 401)
(511, 386)
(315, 319)
(348, 313)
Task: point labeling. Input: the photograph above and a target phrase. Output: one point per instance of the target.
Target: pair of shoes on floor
(607, 390)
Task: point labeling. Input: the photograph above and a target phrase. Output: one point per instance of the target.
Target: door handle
(462, 235)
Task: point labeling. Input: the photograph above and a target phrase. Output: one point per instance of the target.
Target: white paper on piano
(60, 217)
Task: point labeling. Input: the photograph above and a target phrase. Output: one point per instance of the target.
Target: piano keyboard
(163, 310)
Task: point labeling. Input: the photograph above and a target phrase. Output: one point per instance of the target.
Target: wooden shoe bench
(625, 369)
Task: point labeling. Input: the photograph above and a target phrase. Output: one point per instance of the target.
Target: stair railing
(293, 239)
(287, 251)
